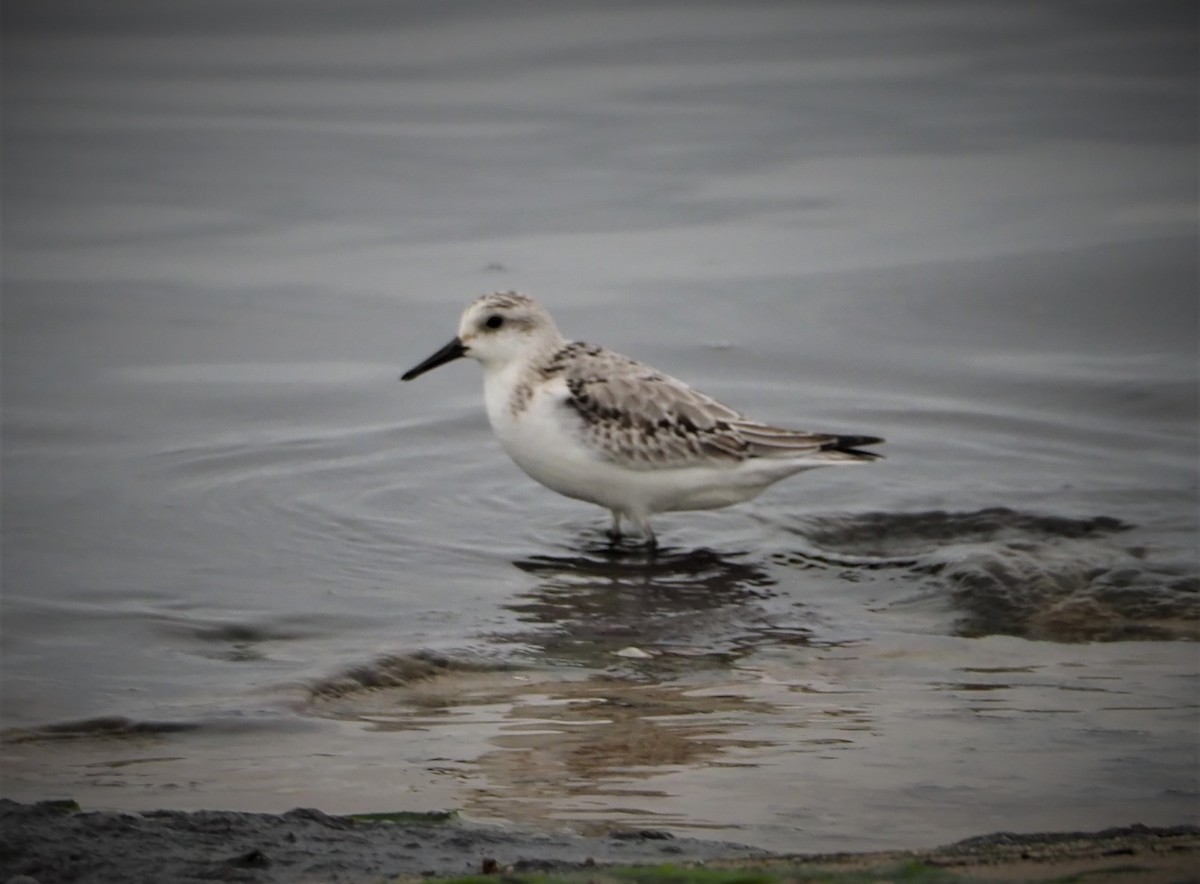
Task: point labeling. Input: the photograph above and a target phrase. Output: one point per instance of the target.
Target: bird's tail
(853, 444)
(767, 441)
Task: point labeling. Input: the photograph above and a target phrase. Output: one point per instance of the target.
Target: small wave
(89, 728)
(1030, 575)
(243, 639)
(1063, 594)
(394, 671)
(906, 535)
(119, 727)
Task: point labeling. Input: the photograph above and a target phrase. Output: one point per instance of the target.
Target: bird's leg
(614, 533)
(643, 525)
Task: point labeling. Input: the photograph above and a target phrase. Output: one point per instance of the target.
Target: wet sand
(55, 841)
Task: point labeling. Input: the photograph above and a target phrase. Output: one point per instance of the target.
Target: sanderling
(598, 426)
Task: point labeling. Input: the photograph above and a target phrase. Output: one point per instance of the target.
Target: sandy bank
(54, 841)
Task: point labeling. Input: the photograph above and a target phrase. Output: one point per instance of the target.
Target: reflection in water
(575, 747)
(587, 751)
(677, 606)
(697, 730)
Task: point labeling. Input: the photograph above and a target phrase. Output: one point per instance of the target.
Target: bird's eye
(494, 321)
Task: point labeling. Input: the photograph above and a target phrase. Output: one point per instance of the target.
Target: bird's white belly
(543, 441)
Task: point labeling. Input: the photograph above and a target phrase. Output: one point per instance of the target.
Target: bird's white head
(497, 330)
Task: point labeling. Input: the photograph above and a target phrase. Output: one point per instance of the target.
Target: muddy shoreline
(55, 841)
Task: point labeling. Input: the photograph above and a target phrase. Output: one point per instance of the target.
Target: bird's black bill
(449, 353)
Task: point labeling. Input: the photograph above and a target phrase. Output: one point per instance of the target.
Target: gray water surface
(970, 229)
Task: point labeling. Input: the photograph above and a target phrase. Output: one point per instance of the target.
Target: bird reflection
(602, 602)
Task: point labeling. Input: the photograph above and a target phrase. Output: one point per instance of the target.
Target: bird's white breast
(540, 434)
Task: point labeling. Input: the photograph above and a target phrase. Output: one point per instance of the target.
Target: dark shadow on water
(687, 570)
(621, 605)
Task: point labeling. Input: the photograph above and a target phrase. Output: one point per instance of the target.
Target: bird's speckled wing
(640, 418)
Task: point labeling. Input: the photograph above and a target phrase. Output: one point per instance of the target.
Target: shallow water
(971, 232)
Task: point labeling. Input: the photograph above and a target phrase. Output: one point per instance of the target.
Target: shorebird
(598, 426)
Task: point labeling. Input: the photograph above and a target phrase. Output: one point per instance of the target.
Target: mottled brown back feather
(639, 417)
